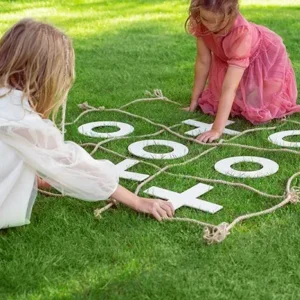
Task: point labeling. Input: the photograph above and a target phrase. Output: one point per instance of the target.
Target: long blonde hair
(38, 59)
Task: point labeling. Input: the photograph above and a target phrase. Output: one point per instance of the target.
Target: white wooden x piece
(187, 198)
(203, 127)
(126, 164)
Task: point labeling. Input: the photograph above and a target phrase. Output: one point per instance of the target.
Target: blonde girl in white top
(36, 74)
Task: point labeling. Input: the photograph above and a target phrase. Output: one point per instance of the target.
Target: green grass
(108, 129)
(294, 139)
(246, 166)
(122, 49)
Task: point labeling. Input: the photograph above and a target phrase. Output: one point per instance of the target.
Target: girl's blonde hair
(38, 59)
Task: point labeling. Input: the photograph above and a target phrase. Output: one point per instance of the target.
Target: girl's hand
(193, 107)
(42, 184)
(209, 136)
(159, 209)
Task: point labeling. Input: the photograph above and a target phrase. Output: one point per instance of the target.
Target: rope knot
(283, 119)
(84, 106)
(98, 212)
(216, 234)
(295, 195)
(156, 94)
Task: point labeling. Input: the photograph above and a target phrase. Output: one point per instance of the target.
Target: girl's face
(212, 21)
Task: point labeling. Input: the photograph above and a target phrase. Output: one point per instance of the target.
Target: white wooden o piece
(269, 167)
(87, 129)
(278, 138)
(137, 149)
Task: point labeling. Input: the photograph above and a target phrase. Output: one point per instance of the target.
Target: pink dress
(268, 88)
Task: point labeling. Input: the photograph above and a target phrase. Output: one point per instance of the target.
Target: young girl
(36, 74)
(249, 71)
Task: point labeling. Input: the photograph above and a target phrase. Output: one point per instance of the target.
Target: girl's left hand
(42, 184)
(209, 136)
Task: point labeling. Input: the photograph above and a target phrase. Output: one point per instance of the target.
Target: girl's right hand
(159, 209)
(193, 107)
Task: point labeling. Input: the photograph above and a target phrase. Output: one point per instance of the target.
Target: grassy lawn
(124, 48)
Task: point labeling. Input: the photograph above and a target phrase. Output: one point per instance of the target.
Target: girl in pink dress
(248, 69)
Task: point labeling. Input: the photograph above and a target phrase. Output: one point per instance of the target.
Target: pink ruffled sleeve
(237, 47)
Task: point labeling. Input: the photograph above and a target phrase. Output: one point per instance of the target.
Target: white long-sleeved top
(30, 146)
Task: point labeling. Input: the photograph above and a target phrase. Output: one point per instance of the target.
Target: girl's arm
(230, 85)
(69, 168)
(159, 209)
(202, 66)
